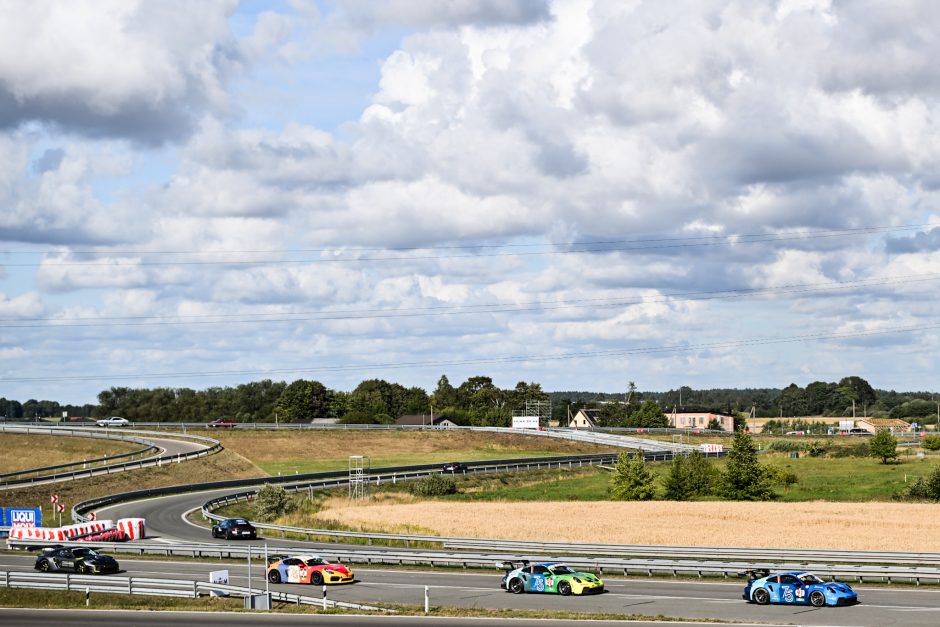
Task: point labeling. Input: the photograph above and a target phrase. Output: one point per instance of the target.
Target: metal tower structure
(358, 476)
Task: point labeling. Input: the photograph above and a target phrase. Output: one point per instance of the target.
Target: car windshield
(561, 569)
(315, 561)
(809, 578)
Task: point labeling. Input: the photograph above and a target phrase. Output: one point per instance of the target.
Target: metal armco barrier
(305, 481)
(155, 587)
(602, 565)
(212, 446)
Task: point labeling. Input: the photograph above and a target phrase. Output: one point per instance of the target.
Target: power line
(496, 360)
(573, 249)
(445, 310)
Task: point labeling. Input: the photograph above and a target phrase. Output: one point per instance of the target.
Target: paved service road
(685, 599)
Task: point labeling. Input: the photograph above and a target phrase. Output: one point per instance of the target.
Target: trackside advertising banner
(20, 517)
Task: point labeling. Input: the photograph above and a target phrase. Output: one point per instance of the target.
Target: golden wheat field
(859, 526)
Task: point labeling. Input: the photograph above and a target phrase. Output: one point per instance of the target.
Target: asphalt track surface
(92, 618)
(691, 600)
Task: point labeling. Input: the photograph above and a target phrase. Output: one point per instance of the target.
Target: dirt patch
(263, 446)
(222, 465)
(856, 526)
(22, 452)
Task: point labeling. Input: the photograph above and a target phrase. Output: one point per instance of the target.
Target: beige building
(873, 425)
(584, 419)
(699, 420)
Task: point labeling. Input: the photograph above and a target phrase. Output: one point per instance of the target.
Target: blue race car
(798, 588)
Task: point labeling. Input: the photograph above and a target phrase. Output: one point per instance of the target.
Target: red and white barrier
(100, 530)
(135, 528)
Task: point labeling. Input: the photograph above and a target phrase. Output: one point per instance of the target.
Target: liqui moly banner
(20, 517)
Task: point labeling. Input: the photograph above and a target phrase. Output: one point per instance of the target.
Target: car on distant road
(454, 467)
(858, 431)
(796, 588)
(113, 421)
(79, 559)
(311, 569)
(548, 577)
(234, 528)
(221, 423)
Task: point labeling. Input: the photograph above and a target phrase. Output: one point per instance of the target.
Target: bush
(932, 443)
(433, 485)
(272, 502)
(816, 448)
(926, 489)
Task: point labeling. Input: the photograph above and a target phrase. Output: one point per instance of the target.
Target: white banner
(525, 422)
(221, 577)
(712, 448)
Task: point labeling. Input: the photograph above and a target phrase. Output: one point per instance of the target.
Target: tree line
(477, 401)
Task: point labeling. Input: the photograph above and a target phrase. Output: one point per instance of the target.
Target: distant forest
(476, 401)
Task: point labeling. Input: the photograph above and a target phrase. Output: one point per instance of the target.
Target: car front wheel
(516, 586)
(817, 598)
(81, 569)
(761, 596)
(44, 566)
(564, 588)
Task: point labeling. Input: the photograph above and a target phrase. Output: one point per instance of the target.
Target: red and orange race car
(307, 569)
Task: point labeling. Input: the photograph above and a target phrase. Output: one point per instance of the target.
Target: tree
(714, 425)
(632, 480)
(650, 414)
(444, 395)
(272, 502)
(689, 477)
(745, 479)
(677, 485)
(883, 445)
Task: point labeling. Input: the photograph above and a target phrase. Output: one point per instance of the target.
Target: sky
(579, 193)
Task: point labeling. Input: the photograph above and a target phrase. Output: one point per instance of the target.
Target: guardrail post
(427, 600)
(195, 590)
(68, 582)
(324, 597)
(87, 596)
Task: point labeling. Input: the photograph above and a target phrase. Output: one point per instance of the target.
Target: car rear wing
(755, 573)
(511, 565)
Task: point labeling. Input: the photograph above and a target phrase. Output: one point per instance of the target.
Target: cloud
(114, 68)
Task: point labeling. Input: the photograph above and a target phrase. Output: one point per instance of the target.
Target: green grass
(847, 479)
(292, 466)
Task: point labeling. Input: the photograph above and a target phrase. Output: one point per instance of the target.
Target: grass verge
(19, 452)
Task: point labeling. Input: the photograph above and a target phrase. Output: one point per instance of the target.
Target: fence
(156, 587)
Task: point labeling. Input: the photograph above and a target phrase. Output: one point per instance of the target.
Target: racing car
(79, 559)
(551, 577)
(799, 588)
(307, 569)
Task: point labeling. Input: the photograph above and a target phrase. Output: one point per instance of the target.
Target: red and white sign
(92, 516)
(60, 507)
(712, 448)
(54, 498)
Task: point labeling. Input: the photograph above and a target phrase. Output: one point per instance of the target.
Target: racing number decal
(538, 583)
(788, 594)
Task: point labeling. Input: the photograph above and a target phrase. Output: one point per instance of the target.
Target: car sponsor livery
(799, 588)
(79, 559)
(549, 577)
(310, 569)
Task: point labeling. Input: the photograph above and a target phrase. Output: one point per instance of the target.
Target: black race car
(234, 528)
(80, 559)
(454, 467)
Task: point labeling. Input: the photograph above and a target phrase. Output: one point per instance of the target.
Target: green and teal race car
(550, 577)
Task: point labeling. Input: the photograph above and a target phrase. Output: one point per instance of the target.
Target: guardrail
(393, 475)
(212, 446)
(601, 565)
(157, 587)
(304, 481)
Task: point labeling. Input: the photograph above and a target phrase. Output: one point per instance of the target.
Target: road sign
(60, 507)
(54, 498)
(92, 516)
